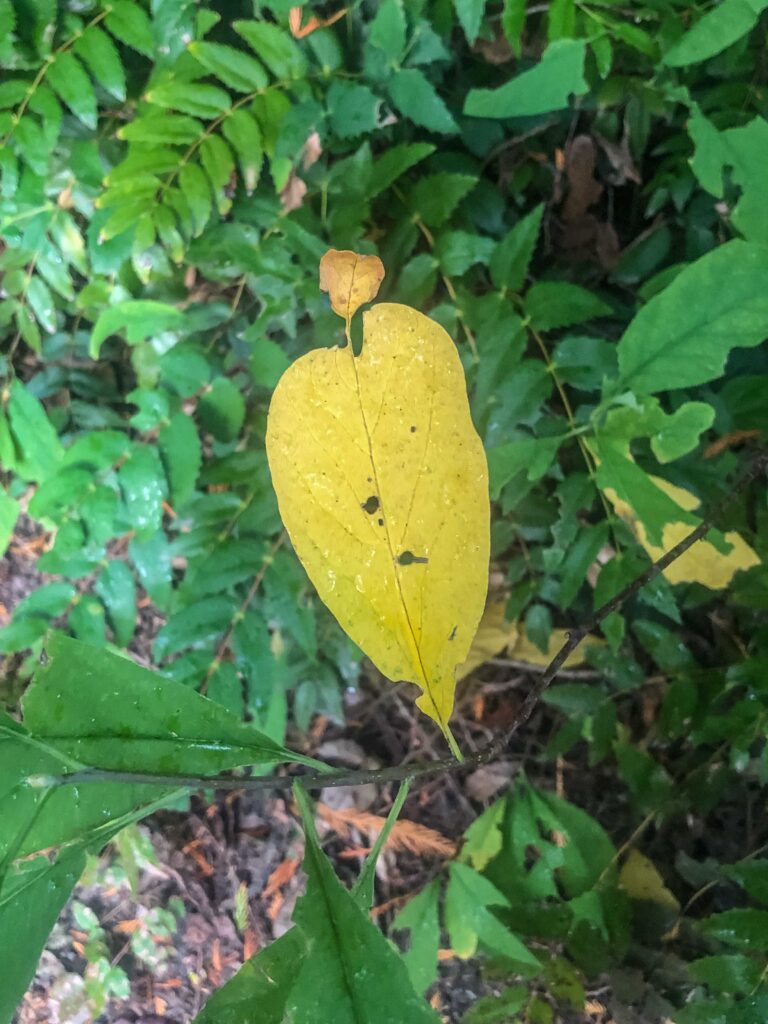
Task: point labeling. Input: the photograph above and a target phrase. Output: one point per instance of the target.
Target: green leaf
(151, 557)
(483, 839)
(533, 456)
(197, 192)
(100, 56)
(745, 929)
(513, 22)
(683, 335)
(420, 917)
(139, 318)
(394, 162)
(218, 163)
(222, 409)
(415, 98)
(744, 151)
(234, 68)
(353, 108)
(260, 989)
(199, 625)
(679, 433)
(92, 706)
(547, 86)
(353, 974)
(469, 921)
(274, 46)
(512, 255)
(499, 1009)
(388, 28)
(144, 488)
(194, 98)
(116, 588)
(73, 86)
(242, 132)
(732, 973)
(34, 615)
(470, 13)
(457, 251)
(719, 28)
(162, 129)
(554, 304)
(363, 888)
(180, 449)
(32, 895)
(9, 513)
(129, 23)
(34, 435)
(267, 362)
(41, 303)
(752, 875)
(436, 196)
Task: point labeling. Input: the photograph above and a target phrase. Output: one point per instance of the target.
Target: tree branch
(422, 769)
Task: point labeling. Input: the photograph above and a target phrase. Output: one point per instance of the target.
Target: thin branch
(493, 750)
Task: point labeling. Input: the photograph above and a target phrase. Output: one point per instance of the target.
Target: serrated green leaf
(37, 442)
(144, 488)
(194, 98)
(394, 162)
(129, 23)
(222, 409)
(553, 304)
(415, 97)
(234, 68)
(116, 588)
(219, 164)
(100, 56)
(243, 133)
(162, 129)
(512, 255)
(139, 318)
(41, 303)
(73, 86)
(353, 108)
(180, 448)
(436, 196)
(388, 28)
(274, 46)
(197, 192)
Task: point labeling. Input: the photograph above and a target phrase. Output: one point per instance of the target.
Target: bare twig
(492, 751)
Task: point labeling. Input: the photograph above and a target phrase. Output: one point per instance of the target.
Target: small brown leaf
(351, 280)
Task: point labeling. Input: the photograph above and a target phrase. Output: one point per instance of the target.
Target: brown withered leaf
(350, 279)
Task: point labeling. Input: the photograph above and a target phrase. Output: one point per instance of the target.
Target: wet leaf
(382, 484)
(350, 280)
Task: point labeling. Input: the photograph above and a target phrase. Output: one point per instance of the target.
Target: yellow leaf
(496, 636)
(702, 563)
(382, 484)
(350, 280)
(641, 881)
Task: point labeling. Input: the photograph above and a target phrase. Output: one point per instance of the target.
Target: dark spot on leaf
(453, 633)
(413, 430)
(380, 522)
(408, 558)
(371, 505)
